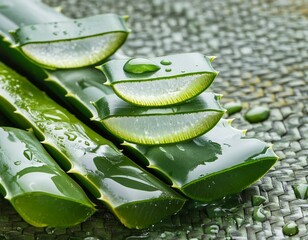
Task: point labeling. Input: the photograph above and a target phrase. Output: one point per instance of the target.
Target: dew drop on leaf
(165, 62)
(140, 65)
(28, 154)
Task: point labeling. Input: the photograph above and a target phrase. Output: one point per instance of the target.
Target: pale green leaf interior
(163, 91)
(74, 53)
(160, 129)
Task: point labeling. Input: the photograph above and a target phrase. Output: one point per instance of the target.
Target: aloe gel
(53, 41)
(159, 81)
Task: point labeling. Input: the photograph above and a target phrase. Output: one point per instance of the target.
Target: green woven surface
(262, 49)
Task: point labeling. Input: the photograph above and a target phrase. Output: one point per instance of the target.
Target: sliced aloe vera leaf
(73, 43)
(219, 163)
(53, 41)
(99, 166)
(36, 186)
(175, 79)
(159, 125)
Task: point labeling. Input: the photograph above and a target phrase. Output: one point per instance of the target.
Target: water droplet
(165, 62)
(28, 154)
(87, 143)
(33, 28)
(168, 69)
(258, 200)
(301, 191)
(290, 229)
(181, 148)
(17, 163)
(55, 33)
(257, 114)
(162, 149)
(213, 229)
(239, 221)
(233, 107)
(140, 65)
(169, 156)
(70, 136)
(259, 214)
(49, 230)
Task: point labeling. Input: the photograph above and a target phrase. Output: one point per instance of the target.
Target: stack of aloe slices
(157, 107)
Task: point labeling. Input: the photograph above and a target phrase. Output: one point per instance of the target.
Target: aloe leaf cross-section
(147, 125)
(54, 41)
(160, 81)
(36, 186)
(136, 197)
(219, 163)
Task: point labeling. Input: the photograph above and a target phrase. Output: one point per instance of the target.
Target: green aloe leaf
(36, 186)
(54, 41)
(80, 87)
(136, 197)
(160, 81)
(219, 163)
(159, 125)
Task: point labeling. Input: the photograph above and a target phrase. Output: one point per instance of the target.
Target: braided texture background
(262, 49)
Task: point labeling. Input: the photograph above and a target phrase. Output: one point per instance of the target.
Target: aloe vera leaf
(219, 163)
(36, 186)
(159, 125)
(82, 86)
(136, 197)
(52, 40)
(176, 78)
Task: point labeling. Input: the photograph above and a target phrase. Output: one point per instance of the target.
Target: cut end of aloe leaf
(166, 91)
(232, 180)
(159, 125)
(160, 81)
(73, 43)
(144, 214)
(42, 210)
(162, 129)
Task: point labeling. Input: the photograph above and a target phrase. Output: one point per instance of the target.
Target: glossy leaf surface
(219, 163)
(109, 175)
(175, 79)
(159, 125)
(55, 41)
(36, 186)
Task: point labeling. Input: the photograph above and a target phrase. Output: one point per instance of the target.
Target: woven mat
(262, 49)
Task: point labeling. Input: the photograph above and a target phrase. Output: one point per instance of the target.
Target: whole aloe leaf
(136, 197)
(219, 163)
(36, 186)
(176, 78)
(159, 125)
(54, 41)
